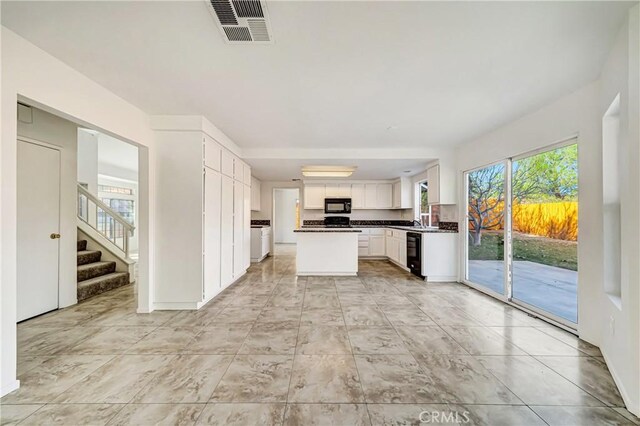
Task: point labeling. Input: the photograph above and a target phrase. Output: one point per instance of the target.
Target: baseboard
(441, 278)
(258, 260)
(175, 306)
(629, 405)
(9, 387)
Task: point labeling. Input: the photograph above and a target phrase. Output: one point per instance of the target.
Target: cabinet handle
(54, 236)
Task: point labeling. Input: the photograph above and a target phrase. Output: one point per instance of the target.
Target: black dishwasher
(414, 253)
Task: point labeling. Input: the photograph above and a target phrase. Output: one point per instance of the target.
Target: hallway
(383, 348)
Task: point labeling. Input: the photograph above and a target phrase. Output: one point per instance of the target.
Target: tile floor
(382, 348)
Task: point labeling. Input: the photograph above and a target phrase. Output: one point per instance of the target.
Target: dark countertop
(325, 229)
(423, 230)
(403, 228)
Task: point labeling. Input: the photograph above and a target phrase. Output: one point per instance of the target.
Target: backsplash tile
(261, 222)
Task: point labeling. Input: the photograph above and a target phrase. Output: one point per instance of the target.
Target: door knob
(54, 236)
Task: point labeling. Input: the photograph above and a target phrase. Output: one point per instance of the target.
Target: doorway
(522, 229)
(38, 230)
(286, 214)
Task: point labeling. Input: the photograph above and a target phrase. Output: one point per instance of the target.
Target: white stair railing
(100, 217)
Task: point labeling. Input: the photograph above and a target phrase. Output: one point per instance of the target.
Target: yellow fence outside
(553, 220)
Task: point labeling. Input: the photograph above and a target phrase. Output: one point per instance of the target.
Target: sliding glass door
(485, 251)
(525, 210)
(545, 231)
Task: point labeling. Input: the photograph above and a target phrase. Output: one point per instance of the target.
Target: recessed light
(407, 171)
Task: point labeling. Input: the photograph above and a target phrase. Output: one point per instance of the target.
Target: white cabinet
(403, 193)
(384, 196)
(226, 163)
(331, 190)
(338, 190)
(371, 242)
(226, 236)
(212, 154)
(256, 187)
(238, 223)
(441, 183)
(396, 245)
(433, 184)
(212, 228)
(367, 195)
(370, 196)
(376, 245)
(314, 194)
(440, 256)
(357, 196)
(202, 247)
(260, 243)
(246, 227)
(246, 174)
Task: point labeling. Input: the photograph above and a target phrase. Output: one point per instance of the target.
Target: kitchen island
(327, 251)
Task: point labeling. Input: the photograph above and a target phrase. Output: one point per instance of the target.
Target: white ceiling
(285, 169)
(339, 74)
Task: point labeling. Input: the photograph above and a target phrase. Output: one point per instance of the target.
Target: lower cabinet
(260, 243)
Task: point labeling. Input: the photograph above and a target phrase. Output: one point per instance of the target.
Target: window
(429, 215)
(115, 189)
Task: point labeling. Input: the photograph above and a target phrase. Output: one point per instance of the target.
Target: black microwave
(337, 205)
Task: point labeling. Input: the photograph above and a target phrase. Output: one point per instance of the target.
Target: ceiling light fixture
(328, 171)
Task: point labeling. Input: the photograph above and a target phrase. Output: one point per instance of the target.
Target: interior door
(38, 227)
(212, 217)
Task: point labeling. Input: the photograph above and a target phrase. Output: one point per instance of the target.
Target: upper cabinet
(256, 187)
(384, 195)
(338, 190)
(357, 196)
(212, 154)
(227, 163)
(363, 195)
(441, 184)
(246, 177)
(403, 193)
(314, 194)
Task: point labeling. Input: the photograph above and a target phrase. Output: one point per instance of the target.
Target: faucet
(417, 223)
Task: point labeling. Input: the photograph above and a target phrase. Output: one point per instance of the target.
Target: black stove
(337, 222)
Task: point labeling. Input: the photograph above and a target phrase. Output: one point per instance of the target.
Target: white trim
(9, 387)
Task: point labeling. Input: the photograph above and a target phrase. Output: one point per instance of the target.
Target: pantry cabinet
(203, 209)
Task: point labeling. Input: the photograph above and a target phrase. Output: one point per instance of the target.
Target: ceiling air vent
(242, 21)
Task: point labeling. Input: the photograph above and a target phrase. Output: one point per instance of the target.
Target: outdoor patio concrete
(549, 288)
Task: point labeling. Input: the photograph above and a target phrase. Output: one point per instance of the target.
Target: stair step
(82, 245)
(89, 256)
(95, 269)
(98, 285)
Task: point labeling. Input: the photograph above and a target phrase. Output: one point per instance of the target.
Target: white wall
(619, 321)
(37, 78)
(88, 159)
(284, 221)
(580, 114)
(56, 131)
